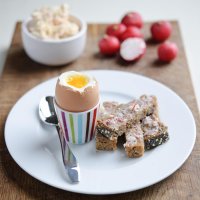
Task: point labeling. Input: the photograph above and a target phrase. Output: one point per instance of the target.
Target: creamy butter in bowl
(52, 36)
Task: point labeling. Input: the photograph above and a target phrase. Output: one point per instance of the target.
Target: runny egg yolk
(77, 81)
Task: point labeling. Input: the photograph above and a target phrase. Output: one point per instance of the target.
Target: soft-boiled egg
(76, 91)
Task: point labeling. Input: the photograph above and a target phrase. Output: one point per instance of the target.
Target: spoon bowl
(47, 111)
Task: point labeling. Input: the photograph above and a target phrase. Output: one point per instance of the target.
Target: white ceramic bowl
(55, 52)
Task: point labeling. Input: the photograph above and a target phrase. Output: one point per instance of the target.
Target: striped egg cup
(78, 127)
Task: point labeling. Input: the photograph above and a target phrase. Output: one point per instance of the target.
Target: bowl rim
(67, 39)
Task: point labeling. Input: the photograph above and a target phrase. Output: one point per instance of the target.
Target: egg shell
(75, 101)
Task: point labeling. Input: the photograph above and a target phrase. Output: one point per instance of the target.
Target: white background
(187, 12)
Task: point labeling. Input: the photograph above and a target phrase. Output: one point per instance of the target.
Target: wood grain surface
(21, 74)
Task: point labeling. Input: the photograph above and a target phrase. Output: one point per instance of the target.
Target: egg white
(64, 76)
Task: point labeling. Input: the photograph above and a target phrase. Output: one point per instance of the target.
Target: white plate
(35, 147)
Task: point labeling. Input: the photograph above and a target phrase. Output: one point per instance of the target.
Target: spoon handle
(61, 138)
(69, 160)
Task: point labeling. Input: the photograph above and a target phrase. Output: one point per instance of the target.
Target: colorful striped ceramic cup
(78, 127)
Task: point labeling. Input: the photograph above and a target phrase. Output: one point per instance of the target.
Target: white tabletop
(185, 11)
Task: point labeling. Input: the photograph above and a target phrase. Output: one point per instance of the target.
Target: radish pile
(126, 39)
(131, 44)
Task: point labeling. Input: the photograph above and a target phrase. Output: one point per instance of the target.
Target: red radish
(132, 49)
(109, 45)
(133, 19)
(161, 31)
(167, 51)
(131, 31)
(116, 30)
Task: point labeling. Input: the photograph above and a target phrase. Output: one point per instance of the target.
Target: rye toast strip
(134, 146)
(122, 116)
(104, 143)
(155, 132)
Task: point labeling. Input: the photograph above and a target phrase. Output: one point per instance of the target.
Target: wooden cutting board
(21, 74)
